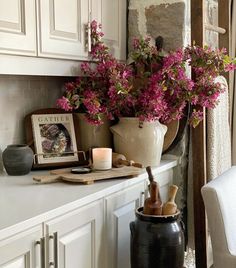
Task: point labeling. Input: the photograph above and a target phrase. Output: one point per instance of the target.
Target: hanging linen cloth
(233, 82)
(218, 135)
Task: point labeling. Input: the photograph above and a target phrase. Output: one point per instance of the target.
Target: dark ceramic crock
(156, 241)
(17, 159)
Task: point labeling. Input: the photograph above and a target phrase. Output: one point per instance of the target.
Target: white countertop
(24, 202)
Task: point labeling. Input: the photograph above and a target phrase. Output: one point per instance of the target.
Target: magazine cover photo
(54, 138)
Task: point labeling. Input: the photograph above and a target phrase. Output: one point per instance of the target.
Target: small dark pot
(17, 159)
(156, 241)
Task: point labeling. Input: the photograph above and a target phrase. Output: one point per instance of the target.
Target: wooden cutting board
(89, 178)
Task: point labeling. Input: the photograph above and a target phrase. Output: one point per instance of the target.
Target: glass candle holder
(102, 158)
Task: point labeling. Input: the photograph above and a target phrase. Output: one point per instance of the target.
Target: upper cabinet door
(18, 27)
(62, 28)
(113, 16)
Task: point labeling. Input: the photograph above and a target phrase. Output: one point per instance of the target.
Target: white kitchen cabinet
(53, 34)
(23, 250)
(62, 28)
(72, 240)
(120, 211)
(113, 17)
(18, 27)
(76, 239)
(77, 225)
(113, 21)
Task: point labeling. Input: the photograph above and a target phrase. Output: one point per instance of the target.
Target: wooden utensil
(170, 206)
(119, 160)
(150, 175)
(89, 178)
(153, 204)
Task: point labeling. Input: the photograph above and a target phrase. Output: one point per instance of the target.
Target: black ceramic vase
(156, 241)
(17, 159)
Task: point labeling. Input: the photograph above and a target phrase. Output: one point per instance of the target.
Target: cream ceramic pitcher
(141, 144)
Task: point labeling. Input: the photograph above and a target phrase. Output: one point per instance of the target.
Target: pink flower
(85, 67)
(70, 86)
(230, 67)
(196, 118)
(64, 104)
(136, 43)
(173, 59)
(126, 74)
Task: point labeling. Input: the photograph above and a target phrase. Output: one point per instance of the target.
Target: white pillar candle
(102, 158)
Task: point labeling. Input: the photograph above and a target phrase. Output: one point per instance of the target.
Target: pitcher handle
(163, 127)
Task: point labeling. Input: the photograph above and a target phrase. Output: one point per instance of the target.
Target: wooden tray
(176, 131)
(172, 130)
(89, 178)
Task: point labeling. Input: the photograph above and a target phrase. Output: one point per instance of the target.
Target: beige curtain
(233, 82)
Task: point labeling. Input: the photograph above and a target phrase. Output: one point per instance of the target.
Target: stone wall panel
(168, 22)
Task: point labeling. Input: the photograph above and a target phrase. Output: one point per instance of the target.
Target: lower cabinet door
(75, 239)
(120, 211)
(22, 250)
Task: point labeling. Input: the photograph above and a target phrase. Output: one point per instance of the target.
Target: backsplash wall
(20, 95)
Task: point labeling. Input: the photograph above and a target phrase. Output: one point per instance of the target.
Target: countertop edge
(70, 206)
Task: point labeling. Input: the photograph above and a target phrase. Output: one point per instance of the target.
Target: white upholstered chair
(219, 197)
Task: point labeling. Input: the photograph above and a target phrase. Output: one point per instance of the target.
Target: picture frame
(53, 136)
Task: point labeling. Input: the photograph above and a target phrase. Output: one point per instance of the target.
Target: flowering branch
(154, 87)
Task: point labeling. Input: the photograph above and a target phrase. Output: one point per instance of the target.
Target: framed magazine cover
(53, 136)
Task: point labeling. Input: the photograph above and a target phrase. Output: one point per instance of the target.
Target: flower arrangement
(154, 87)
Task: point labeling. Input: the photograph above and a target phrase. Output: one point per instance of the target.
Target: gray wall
(20, 95)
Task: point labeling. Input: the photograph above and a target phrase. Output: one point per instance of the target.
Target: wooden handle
(46, 178)
(130, 163)
(134, 164)
(172, 192)
(154, 191)
(119, 160)
(170, 207)
(123, 162)
(150, 176)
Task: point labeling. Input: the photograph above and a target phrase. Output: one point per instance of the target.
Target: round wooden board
(172, 130)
